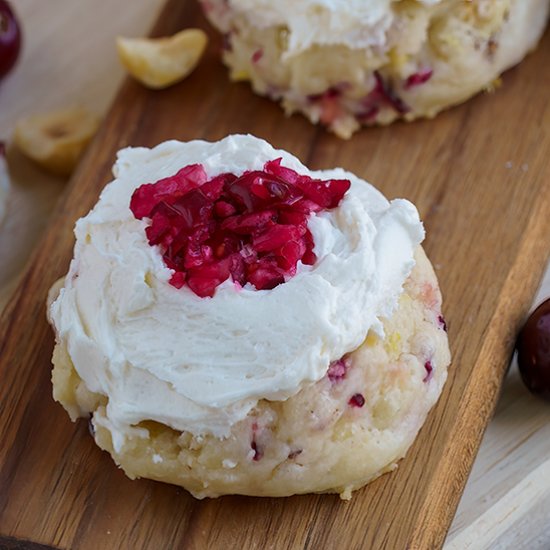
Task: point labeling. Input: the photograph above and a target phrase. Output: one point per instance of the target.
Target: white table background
(69, 58)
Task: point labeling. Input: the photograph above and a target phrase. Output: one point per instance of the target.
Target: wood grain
(486, 226)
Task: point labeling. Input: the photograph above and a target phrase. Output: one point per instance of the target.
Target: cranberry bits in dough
(235, 323)
(347, 63)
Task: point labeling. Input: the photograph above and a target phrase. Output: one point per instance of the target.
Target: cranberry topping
(356, 400)
(252, 228)
(337, 370)
(421, 77)
(429, 371)
(442, 322)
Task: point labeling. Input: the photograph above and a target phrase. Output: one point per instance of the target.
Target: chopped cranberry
(146, 197)
(257, 55)
(332, 93)
(252, 228)
(178, 279)
(370, 115)
(442, 322)
(418, 78)
(429, 371)
(258, 453)
(382, 94)
(356, 400)
(337, 370)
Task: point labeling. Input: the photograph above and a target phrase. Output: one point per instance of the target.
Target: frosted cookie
(347, 63)
(235, 323)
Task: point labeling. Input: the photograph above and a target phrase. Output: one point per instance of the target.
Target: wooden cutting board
(480, 176)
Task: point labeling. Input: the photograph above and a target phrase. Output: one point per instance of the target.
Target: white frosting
(354, 23)
(201, 364)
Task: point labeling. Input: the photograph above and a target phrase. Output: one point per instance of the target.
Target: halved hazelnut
(56, 140)
(160, 62)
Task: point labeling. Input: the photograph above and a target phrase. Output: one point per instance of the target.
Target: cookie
(350, 63)
(298, 349)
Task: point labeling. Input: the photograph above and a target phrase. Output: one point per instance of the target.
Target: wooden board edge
(447, 483)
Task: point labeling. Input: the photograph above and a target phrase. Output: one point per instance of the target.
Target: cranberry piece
(252, 228)
(257, 55)
(10, 38)
(429, 371)
(442, 322)
(356, 400)
(533, 345)
(332, 93)
(258, 453)
(418, 78)
(382, 94)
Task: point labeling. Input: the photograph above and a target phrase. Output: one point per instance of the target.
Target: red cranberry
(533, 345)
(418, 78)
(356, 400)
(10, 38)
(381, 95)
(257, 55)
(429, 371)
(258, 453)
